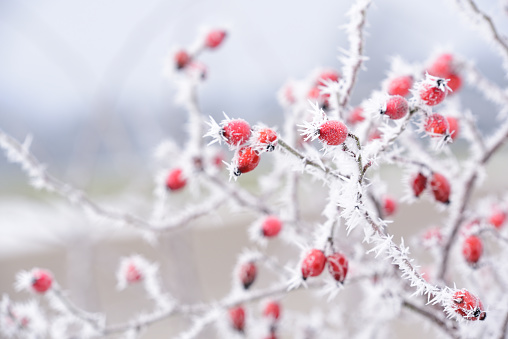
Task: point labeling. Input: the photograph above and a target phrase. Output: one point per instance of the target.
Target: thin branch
(444, 326)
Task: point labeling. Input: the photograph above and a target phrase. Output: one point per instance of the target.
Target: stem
(432, 318)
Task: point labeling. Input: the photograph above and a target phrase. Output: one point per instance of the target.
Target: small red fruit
(133, 274)
(313, 263)
(328, 75)
(215, 38)
(400, 85)
(237, 318)
(396, 107)
(272, 310)
(315, 95)
(338, 266)
(389, 206)
(432, 237)
(442, 66)
(375, 134)
(468, 305)
(440, 188)
(248, 273)
(271, 226)
(436, 125)
(433, 94)
(454, 82)
(497, 218)
(356, 116)
(472, 249)
(418, 184)
(236, 132)
(175, 180)
(41, 280)
(247, 160)
(453, 127)
(332, 132)
(182, 59)
(268, 138)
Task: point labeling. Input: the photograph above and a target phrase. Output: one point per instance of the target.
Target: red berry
(436, 125)
(454, 82)
(333, 132)
(41, 280)
(396, 107)
(442, 66)
(472, 249)
(453, 127)
(248, 273)
(328, 75)
(440, 188)
(215, 38)
(237, 132)
(247, 160)
(237, 318)
(182, 59)
(418, 184)
(313, 263)
(356, 116)
(433, 94)
(272, 310)
(132, 274)
(400, 85)
(338, 266)
(175, 180)
(268, 138)
(497, 218)
(271, 226)
(315, 95)
(468, 305)
(375, 134)
(432, 236)
(389, 206)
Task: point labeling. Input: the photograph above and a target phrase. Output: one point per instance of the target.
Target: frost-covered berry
(246, 160)
(265, 139)
(313, 263)
(175, 180)
(453, 127)
(328, 75)
(375, 134)
(472, 249)
(436, 125)
(182, 59)
(314, 94)
(400, 85)
(248, 272)
(338, 266)
(433, 92)
(271, 226)
(272, 310)
(236, 132)
(442, 66)
(332, 132)
(440, 188)
(389, 206)
(237, 318)
(418, 184)
(41, 280)
(214, 38)
(468, 305)
(133, 274)
(497, 218)
(454, 82)
(356, 116)
(396, 107)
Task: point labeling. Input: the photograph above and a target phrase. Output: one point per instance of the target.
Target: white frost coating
(21, 320)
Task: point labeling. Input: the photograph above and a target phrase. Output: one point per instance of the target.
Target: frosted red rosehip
(182, 59)
(41, 280)
(436, 125)
(328, 75)
(313, 263)
(453, 127)
(314, 94)
(433, 94)
(454, 82)
(396, 107)
(472, 249)
(247, 274)
(389, 206)
(338, 266)
(441, 66)
(175, 180)
(418, 184)
(440, 188)
(272, 310)
(332, 132)
(400, 85)
(236, 132)
(214, 38)
(237, 318)
(271, 226)
(247, 160)
(133, 274)
(468, 306)
(356, 116)
(497, 218)
(267, 138)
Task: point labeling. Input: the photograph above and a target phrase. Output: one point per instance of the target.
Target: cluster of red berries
(439, 186)
(271, 311)
(315, 260)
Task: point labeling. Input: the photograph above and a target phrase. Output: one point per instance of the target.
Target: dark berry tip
(237, 172)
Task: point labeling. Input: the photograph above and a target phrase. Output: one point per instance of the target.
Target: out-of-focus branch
(443, 325)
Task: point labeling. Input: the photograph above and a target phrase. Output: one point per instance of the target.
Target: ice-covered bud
(272, 310)
(432, 90)
(271, 226)
(182, 59)
(246, 159)
(264, 139)
(396, 107)
(440, 188)
(235, 132)
(436, 125)
(247, 274)
(237, 318)
(418, 184)
(400, 85)
(36, 280)
(175, 180)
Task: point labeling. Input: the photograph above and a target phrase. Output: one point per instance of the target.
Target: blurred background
(85, 78)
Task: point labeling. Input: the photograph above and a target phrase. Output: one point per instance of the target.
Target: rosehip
(313, 263)
(182, 59)
(268, 138)
(41, 280)
(396, 107)
(440, 188)
(271, 226)
(356, 116)
(338, 266)
(237, 318)
(418, 184)
(375, 134)
(315, 94)
(436, 125)
(247, 159)
(433, 94)
(453, 127)
(442, 66)
(175, 180)
(400, 85)
(272, 310)
(332, 132)
(468, 305)
(328, 75)
(497, 218)
(454, 82)
(472, 249)
(236, 132)
(215, 38)
(133, 274)
(248, 273)
(389, 206)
